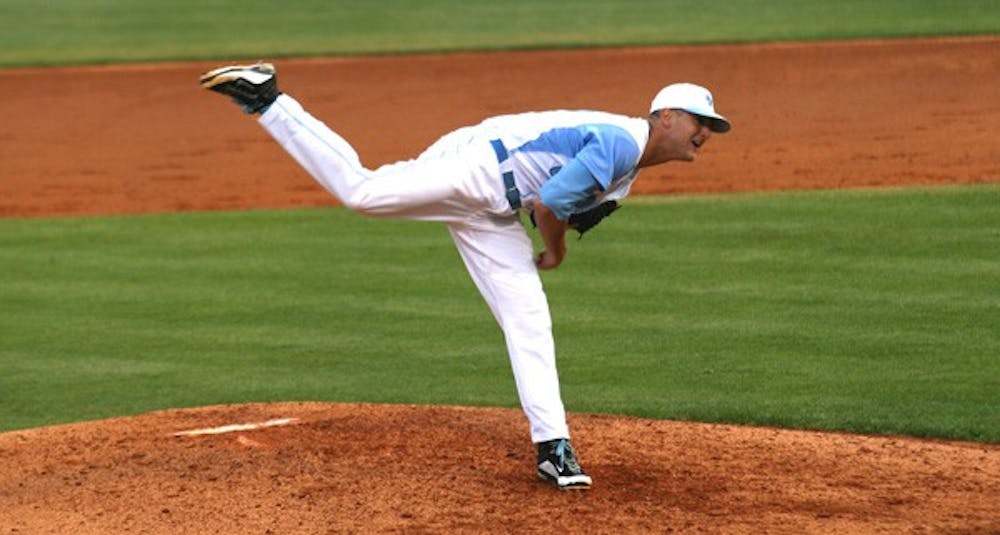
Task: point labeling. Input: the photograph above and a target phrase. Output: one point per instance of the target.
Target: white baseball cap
(693, 99)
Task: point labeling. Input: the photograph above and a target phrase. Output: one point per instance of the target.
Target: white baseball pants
(456, 181)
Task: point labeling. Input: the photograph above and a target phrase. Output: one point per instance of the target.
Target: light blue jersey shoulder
(607, 151)
(571, 160)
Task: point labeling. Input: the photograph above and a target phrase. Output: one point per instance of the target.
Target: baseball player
(567, 168)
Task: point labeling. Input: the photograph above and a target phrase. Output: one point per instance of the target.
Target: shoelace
(561, 454)
(566, 461)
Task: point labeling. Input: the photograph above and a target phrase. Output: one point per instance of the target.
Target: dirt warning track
(147, 138)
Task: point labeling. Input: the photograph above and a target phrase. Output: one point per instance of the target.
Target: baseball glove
(585, 221)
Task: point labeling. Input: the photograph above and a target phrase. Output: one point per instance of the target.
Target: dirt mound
(318, 468)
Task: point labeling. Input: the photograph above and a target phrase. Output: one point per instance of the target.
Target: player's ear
(659, 117)
(667, 117)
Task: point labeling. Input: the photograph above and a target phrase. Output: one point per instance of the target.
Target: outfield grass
(78, 31)
(871, 311)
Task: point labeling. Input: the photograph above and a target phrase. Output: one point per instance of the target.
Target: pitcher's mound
(356, 468)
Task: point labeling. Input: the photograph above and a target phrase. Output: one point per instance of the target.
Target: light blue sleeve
(571, 186)
(607, 153)
(610, 152)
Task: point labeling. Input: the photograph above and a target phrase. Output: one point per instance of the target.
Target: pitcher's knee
(364, 202)
(357, 203)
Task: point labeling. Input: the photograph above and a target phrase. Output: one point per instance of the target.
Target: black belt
(513, 196)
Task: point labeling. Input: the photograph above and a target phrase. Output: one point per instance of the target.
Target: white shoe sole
(255, 74)
(577, 482)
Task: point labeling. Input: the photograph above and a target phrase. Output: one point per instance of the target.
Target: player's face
(687, 134)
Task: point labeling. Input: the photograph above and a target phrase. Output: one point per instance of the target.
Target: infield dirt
(145, 138)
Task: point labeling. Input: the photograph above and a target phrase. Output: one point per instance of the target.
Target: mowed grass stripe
(71, 31)
(870, 311)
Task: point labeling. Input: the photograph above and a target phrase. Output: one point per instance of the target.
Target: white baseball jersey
(541, 143)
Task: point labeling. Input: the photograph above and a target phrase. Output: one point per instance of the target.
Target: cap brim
(718, 124)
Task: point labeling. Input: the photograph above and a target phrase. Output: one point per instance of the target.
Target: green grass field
(88, 31)
(871, 311)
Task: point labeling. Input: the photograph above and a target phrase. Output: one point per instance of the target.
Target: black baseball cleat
(252, 87)
(557, 464)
